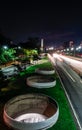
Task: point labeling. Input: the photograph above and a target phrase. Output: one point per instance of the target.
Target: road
(74, 62)
(72, 85)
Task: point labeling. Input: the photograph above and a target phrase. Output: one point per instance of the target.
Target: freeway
(72, 84)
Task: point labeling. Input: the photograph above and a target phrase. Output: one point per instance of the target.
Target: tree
(32, 43)
(6, 55)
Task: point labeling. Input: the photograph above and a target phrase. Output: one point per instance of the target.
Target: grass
(18, 86)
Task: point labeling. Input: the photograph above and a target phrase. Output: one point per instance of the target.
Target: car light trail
(72, 62)
(69, 75)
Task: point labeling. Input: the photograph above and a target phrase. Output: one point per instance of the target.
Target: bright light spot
(67, 49)
(5, 47)
(55, 55)
(72, 48)
(31, 118)
(79, 47)
(51, 48)
(19, 47)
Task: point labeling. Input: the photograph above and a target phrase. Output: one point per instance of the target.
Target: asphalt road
(72, 85)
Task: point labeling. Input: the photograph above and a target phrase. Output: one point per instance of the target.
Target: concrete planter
(10, 70)
(45, 71)
(41, 81)
(20, 112)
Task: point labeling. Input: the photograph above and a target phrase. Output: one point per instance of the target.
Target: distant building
(71, 43)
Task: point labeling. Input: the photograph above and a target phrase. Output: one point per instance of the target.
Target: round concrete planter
(10, 70)
(31, 112)
(41, 81)
(45, 71)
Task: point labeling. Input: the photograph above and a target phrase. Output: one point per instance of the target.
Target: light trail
(72, 62)
(77, 65)
(69, 75)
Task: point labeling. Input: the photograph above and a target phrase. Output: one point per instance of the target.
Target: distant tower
(42, 45)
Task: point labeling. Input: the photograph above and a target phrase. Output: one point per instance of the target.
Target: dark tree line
(32, 43)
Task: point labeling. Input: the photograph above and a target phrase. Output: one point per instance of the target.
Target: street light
(5, 47)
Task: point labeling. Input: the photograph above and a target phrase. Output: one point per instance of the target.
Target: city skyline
(54, 22)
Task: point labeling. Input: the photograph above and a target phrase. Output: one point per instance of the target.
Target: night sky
(55, 22)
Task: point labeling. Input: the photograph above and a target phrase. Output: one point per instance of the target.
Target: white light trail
(69, 75)
(74, 63)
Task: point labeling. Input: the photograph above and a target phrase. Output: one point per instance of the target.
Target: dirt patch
(50, 110)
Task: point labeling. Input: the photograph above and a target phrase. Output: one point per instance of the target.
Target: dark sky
(54, 21)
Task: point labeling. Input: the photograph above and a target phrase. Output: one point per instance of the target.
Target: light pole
(5, 47)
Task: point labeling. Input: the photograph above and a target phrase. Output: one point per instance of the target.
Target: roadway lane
(73, 87)
(72, 84)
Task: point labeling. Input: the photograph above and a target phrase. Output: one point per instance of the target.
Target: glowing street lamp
(19, 47)
(5, 47)
(67, 49)
(72, 48)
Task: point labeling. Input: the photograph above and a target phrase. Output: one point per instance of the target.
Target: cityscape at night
(55, 22)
